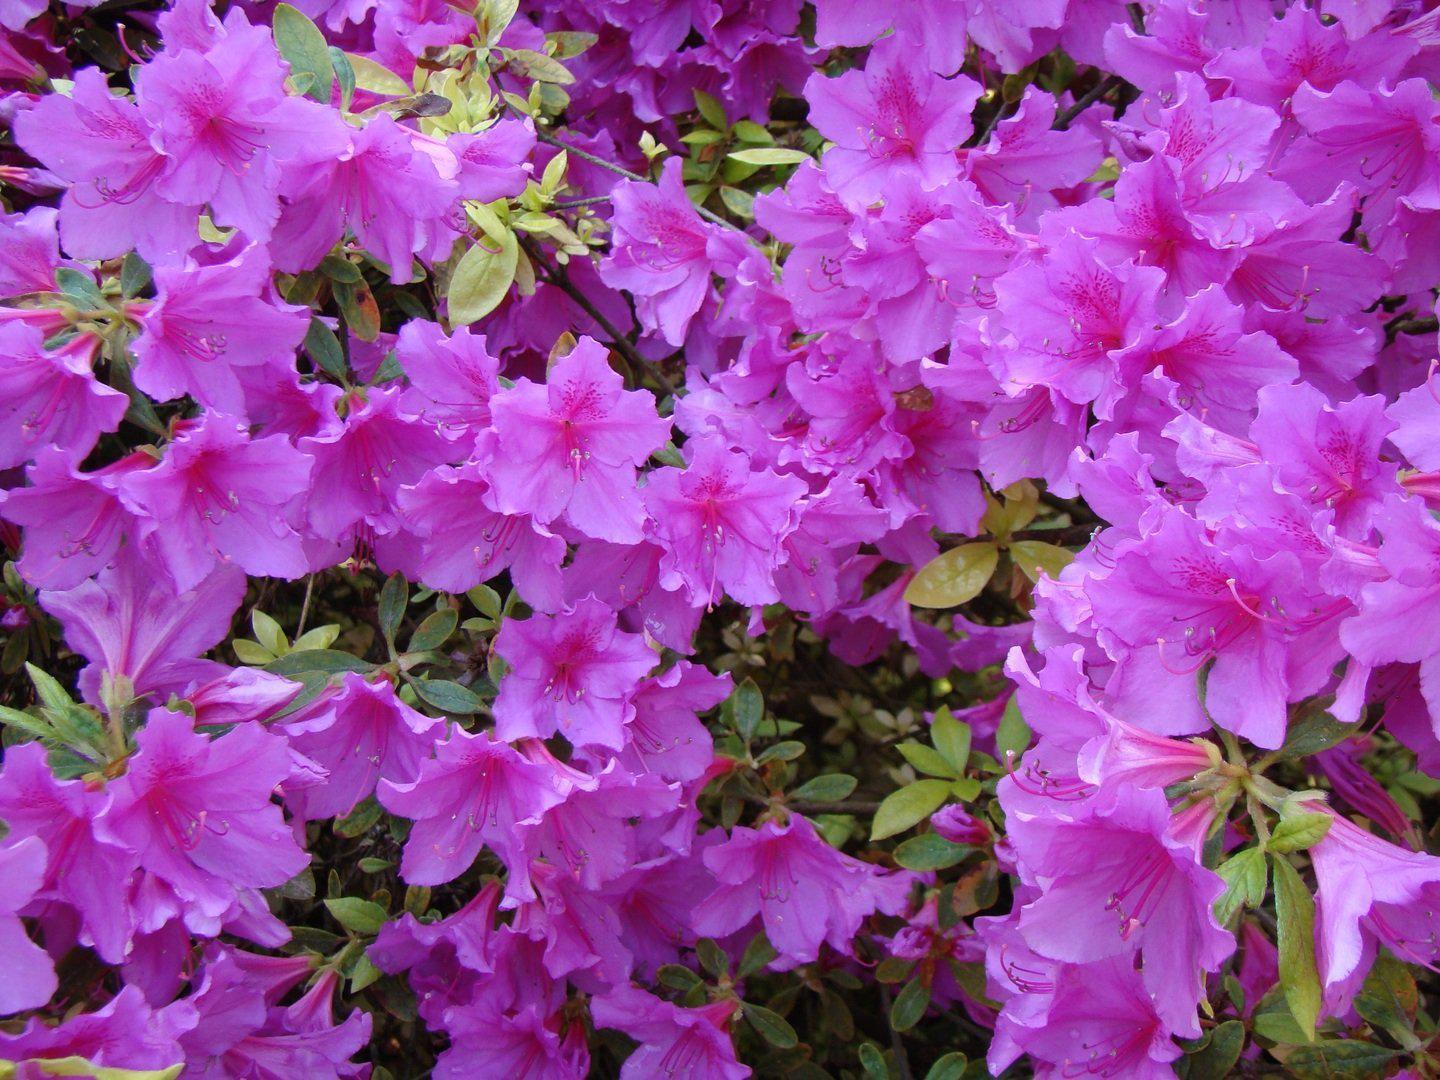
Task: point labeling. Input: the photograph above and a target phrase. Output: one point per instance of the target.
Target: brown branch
(1065, 119)
(554, 275)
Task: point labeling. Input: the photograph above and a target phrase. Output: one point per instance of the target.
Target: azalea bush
(708, 539)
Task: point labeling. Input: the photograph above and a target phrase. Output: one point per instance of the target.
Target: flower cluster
(1037, 399)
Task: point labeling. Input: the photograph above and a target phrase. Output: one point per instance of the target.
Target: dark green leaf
(949, 1067)
(832, 787)
(448, 697)
(304, 49)
(873, 1062)
(930, 852)
(80, 288)
(1389, 998)
(712, 957)
(910, 1005)
(772, 1027)
(1313, 733)
(134, 276)
(360, 820)
(344, 75)
(1219, 1054)
(323, 347)
(678, 977)
(748, 708)
(394, 595)
(323, 660)
(1338, 1059)
(1295, 923)
(757, 955)
(781, 751)
(356, 915)
(434, 631)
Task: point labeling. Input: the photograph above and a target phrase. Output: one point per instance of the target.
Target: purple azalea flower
(51, 397)
(572, 445)
(199, 815)
(125, 1034)
(31, 974)
(572, 673)
(359, 732)
(474, 792)
(722, 524)
(804, 891)
(673, 1041)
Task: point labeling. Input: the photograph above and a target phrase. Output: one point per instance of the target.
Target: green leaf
(1389, 998)
(677, 977)
(1297, 831)
(738, 202)
(1245, 875)
(751, 132)
(1219, 1054)
(135, 276)
(910, 1005)
(930, 851)
(1272, 1020)
(371, 865)
(781, 751)
(80, 287)
(711, 110)
(326, 660)
(873, 1062)
(482, 278)
(448, 697)
(949, 1067)
(757, 956)
(768, 155)
(360, 820)
(772, 1027)
(377, 78)
(907, 807)
(365, 972)
(1338, 1059)
(77, 1066)
(951, 738)
(1013, 734)
(1312, 733)
(1035, 557)
(712, 957)
(927, 760)
(304, 48)
(394, 596)
(541, 68)
(32, 725)
(434, 631)
(52, 695)
(319, 637)
(832, 787)
(1295, 923)
(344, 75)
(268, 633)
(323, 347)
(356, 915)
(748, 709)
(486, 600)
(954, 576)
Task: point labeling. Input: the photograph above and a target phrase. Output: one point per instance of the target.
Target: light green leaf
(356, 915)
(927, 760)
(1035, 557)
(1245, 875)
(268, 633)
(768, 155)
(951, 738)
(482, 278)
(434, 631)
(930, 851)
(909, 806)
(1297, 831)
(1295, 923)
(953, 577)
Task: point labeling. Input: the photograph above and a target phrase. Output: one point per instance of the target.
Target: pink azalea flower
(673, 1040)
(572, 446)
(360, 733)
(890, 121)
(474, 792)
(207, 321)
(572, 673)
(722, 524)
(51, 397)
(1113, 880)
(219, 496)
(125, 1034)
(492, 162)
(30, 975)
(131, 622)
(666, 736)
(198, 813)
(452, 378)
(85, 870)
(804, 891)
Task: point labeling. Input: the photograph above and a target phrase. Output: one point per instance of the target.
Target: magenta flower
(207, 321)
(226, 126)
(85, 870)
(519, 1044)
(131, 622)
(452, 378)
(362, 462)
(474, 792)
(382, 187)
(30, 976)
(1113, 880)
(125, 1034)
(890, 121)
(673, 1041)
(804, 891)
(199, 815)
(1370, 893)
(51, 397)
(464, 540)
(492, 162)
(103, 145)
(360, 733)
(664, 253)
(1393, 624)
(572, 446)
(722, 524)
(31, 251)
(666, 736)
(219, 496)
(572, 673)
(587, 834)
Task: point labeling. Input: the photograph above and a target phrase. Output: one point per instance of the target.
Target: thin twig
(620, 170)
(902, 1060)
(305, 606)
(1065, 119)
(553, 275)
(587, 201)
